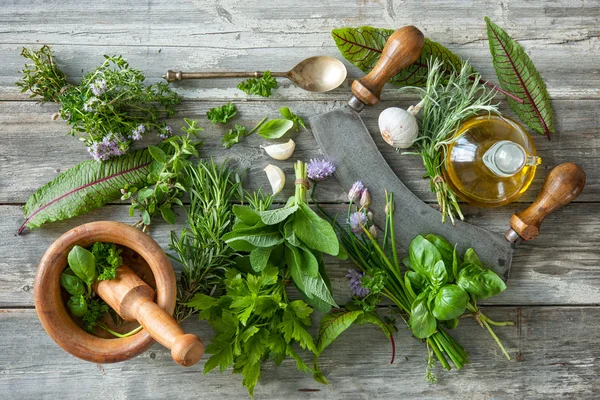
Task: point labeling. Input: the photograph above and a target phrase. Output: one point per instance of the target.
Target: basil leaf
(451, 323)
(314, 231)
(450, 302)
(82, 264)
(422, 322)
(455, 263)
(423, 255)
(77, 305)
(480, 283)
(245, 214)
(272, 217)
(472, 258)
(417, 281)
(72, 284)
(275, 128)
(446, 250)
(439, 275)
(259, 258)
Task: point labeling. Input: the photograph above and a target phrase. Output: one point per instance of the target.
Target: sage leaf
(332, 325)
(275, 216)
(314, 231)
(362, 46)
(422, 322)
(450, 302)
(259, 258)
(85, 187)
(82, 264)
(246, 215)
(72, 284)
(312, 288)
(78, 306)
(306, 261)
(275, 128)
(259, 238)
(518, 76)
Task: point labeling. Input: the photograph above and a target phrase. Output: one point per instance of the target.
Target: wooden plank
(33, 148)
(553, 357)
(560, 267)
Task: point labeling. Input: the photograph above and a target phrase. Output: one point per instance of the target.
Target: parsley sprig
(260, 86)
(222, 114)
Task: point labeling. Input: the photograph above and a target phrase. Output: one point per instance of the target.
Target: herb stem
(117, 334)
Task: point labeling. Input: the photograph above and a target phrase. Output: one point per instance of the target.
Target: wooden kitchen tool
(132, 299)
(562, 185)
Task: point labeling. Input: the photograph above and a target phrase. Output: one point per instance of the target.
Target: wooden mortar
(62, 328)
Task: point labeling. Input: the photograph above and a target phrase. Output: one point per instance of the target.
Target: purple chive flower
(319, 170)
(354, 278)
(166, 132)
(136, 134)
(356, 220)
(356, 191)
(98, 87)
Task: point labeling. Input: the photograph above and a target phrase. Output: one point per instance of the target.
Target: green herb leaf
(85, 187)
(261, 86)
(108, 259)
(446, 251)
(480, 283)
(518, 76)
(287, 114)
(439, 275)
(275, 216)
(332, 325)
(233, 136)
(472, 258)
(259, 258)
(97, 309)
(423, 255)
(77, 305)
(258, 238)
(247, 215)
(158, 154)
(72, 284)
(275, 128)
(362, 46)
(422, 322)
(314, 231)
(222, 114)
(450, 302)
(82, 263)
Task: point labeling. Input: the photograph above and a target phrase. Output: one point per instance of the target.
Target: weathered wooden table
(553, 292)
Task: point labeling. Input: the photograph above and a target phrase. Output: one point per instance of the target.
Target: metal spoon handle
(172, 76)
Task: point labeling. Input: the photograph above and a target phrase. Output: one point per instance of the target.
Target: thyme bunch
(109, 109)
(449, 98)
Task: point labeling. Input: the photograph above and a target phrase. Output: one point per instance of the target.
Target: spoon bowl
(318, 74)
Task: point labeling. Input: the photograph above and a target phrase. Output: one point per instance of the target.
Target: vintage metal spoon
(315, 74)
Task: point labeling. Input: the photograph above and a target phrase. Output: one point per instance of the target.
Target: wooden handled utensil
(562, 185)
(133, 300)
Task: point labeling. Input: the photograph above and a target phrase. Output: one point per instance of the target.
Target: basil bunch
(445, 286)
(293, 236)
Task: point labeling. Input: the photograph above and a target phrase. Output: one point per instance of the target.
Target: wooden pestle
(133, 300)
(562, 185)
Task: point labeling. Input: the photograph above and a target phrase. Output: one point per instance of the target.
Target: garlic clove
(398, 127)
(281, 151)
(276, 177)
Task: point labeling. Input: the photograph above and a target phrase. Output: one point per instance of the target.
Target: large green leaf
(87, 186)
(518, 76)
(332, 325)
(362, 46)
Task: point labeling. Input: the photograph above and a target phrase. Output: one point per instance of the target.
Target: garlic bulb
(398, 127)
(276, 177)
(281, 151)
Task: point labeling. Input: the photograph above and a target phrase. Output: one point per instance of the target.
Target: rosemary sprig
(448, 99)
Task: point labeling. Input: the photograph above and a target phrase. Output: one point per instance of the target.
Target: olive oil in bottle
(492, 161)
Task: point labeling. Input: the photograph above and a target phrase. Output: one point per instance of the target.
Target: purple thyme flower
(356, 220)
(166, 132)
(98, 87)
(354, 278)
(88, 106)
(136, 134)
(112, 145)
(319, 170)
(356, 191)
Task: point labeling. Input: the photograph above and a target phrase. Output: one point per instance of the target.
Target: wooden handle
(133, 300)
(563, 184)
(401, 50)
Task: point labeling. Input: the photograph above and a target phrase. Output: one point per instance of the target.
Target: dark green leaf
(246, 215)
(233, 136)
(362, 46)
(439, 275)
(450, 302)
(480, 283)
(222, 114)
(72, 284)
(275, 128)
(168, 214)
(275, 216)
(422, 322)
(78, 306)
(260, 86)
(158, 154)
(332, 325)
(446, 250)
(472, 258)
(423, 255)
(259, 258)
(314, 231)
(518, 76)
(82, 264)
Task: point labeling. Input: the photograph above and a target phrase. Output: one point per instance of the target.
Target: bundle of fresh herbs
(293, 236)
(109, 108)
(199, 248)
(437, 288)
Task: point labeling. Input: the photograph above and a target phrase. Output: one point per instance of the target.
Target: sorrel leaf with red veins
(87, 186)
(362, 46)
(518, 75)
(332, 325)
